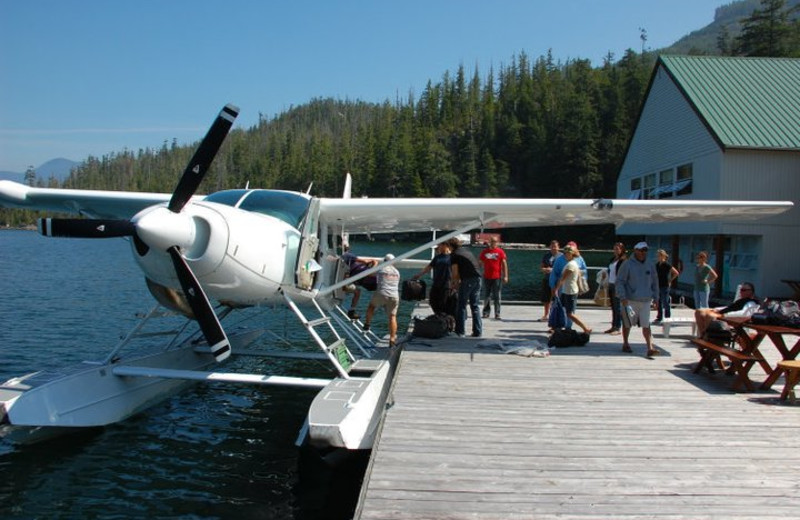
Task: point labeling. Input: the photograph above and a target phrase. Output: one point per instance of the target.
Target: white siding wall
(669, 134)
(757, 175)
(764, 175)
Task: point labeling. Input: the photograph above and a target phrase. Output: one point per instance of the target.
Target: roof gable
(745, 102)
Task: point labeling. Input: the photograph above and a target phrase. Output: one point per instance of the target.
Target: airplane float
(264, 247)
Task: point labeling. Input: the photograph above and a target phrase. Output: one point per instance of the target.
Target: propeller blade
(141, 247)
(203, 156)
(85, 228)
(201, 307)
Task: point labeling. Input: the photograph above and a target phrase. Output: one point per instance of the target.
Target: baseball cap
(640, 245)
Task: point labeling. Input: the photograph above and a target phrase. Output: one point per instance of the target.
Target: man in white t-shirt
(387, 296)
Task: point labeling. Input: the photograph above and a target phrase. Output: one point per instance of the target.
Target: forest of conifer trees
(531, 128)
(534, 128)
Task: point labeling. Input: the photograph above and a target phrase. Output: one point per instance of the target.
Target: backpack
(434, 326)
(370, 282)
(412, 290)
(568, 338)
(783, 314)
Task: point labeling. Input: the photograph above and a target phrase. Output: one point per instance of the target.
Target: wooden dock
(588, 432)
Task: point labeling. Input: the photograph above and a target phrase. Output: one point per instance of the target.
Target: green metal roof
(745, 102)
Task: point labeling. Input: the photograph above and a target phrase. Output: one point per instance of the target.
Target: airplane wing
(92, 203)
(404, 215)
(391, 215)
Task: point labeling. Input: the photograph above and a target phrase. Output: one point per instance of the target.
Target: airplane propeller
(158, 231)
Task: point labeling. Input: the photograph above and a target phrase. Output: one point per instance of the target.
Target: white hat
(641, 245)
(388, 257)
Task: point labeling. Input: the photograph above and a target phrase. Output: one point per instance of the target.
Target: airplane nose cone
(162, 229)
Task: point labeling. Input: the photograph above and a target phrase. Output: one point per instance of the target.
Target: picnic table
(750, 344)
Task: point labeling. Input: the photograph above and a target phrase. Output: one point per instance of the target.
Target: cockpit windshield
(287, 206)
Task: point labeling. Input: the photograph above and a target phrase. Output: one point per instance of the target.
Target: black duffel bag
(433, 327)
(562, 338)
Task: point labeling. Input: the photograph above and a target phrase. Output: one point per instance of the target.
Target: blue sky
(89, 77)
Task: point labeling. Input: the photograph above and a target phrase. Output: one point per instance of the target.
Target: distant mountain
(726, 18)
(58, 168)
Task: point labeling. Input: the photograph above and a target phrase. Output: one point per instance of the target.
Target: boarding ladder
(337, 352)
(365, 340)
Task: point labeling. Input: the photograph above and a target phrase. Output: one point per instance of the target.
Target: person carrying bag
(558, 317)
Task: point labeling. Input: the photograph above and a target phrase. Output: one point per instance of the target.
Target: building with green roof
(721, 128)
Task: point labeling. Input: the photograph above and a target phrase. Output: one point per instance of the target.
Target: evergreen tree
(724, 41)
(766, 32)
(30, 176)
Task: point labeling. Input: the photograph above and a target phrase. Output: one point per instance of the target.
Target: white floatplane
(246, 248)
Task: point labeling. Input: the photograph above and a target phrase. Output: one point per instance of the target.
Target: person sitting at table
(747, 294)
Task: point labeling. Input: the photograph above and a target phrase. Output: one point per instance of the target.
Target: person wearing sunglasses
(747, 295)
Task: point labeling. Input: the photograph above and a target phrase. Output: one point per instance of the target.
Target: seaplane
(250, 248)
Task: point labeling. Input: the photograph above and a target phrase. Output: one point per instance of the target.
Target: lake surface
(214, 451)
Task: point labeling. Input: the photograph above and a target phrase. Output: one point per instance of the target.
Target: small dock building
(721, 128)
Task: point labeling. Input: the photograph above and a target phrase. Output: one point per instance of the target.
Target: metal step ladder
(365, 340)
(337, 352)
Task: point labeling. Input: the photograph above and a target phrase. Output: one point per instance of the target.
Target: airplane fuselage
(241, 253)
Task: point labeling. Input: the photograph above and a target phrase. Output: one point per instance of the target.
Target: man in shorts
(637, 289)
(386, 296)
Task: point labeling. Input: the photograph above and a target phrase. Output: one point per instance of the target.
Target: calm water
(212, 452)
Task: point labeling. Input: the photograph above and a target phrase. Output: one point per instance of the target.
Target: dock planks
(589, 432)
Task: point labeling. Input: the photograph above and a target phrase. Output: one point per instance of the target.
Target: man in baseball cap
(637, 288)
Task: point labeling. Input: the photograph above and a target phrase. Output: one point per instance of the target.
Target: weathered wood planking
(586, 433)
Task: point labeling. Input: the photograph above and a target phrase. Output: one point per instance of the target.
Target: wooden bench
(741, 363)
(791, 370)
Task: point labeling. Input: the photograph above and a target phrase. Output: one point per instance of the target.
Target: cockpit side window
(285, 205)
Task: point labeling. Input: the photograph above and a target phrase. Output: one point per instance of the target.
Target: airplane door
(307, 265)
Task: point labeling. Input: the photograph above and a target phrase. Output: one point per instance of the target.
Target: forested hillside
(720, 36)
(532, 128)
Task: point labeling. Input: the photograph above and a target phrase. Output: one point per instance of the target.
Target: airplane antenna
(308, 191)
(247, 185)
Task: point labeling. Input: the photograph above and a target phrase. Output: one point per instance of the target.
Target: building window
(683, 184)
(649, 185)
(666, 179)
(636, 188)
(745, 253)
(667, 183)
